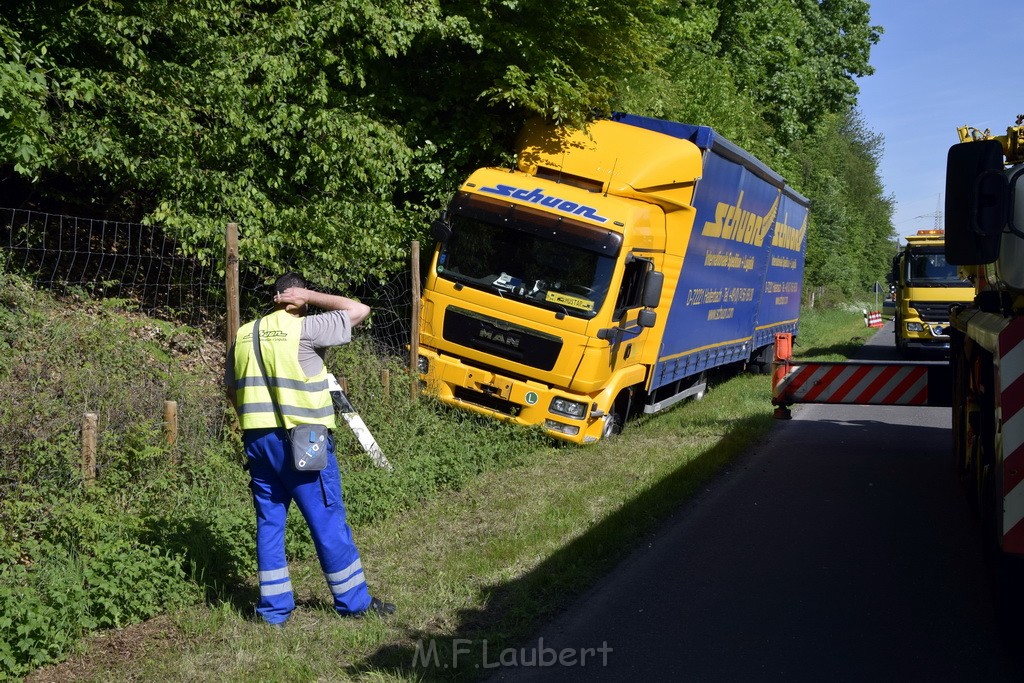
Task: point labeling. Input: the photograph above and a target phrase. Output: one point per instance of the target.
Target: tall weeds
(166, 525)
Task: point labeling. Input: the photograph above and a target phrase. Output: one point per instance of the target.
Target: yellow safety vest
(301, 399)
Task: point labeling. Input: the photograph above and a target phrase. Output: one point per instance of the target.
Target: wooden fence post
(231, 281)
(414, 329)
(385, 383)
(171, 425)
(90, 422)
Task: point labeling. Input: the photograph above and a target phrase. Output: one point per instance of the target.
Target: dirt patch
(108, 650)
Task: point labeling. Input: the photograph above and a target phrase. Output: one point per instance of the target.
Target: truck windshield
(529, 256)
(928, 268)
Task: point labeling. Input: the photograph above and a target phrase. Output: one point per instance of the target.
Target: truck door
(630, 338)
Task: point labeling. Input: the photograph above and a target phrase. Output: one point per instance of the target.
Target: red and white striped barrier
(1011, 397)
(854, 383)
(860, 383)
(874, 319)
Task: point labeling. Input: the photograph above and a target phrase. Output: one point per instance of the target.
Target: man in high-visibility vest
(292, 345)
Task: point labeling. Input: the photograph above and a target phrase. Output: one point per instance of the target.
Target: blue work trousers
(275, 483)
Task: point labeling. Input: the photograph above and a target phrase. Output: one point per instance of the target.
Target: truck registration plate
(567, 300)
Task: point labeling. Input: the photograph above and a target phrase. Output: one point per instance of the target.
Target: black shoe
(382, 608)
(377, 606)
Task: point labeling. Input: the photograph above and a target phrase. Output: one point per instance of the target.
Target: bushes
(73, 559)
(33, 630)
(431, 447)
(169, 525)
(70, 568)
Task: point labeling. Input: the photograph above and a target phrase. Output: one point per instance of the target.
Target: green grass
(830, 334)
(490, 561)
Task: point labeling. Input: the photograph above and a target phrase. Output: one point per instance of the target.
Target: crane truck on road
(608, 273)
(983, 381)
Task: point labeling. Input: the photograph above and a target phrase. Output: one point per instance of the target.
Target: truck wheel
(702, 378)
(616, 417)
(761, 362)
(907, 352)
(612, 425)
(965, 422)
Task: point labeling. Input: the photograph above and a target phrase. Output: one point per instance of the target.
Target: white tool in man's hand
(356, 424)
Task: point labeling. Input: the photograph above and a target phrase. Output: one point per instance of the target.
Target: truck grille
(501, 339)
(932, 311)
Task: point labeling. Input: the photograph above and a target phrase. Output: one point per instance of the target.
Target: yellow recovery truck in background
(926, 285)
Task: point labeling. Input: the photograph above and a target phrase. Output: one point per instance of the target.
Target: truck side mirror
(441, 229)
(646, 318)
(1011, 210)
(653, 283)
(976, 202)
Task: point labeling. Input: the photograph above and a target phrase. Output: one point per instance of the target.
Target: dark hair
(289, 280)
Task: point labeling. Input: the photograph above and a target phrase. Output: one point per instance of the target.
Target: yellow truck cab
(925, 288)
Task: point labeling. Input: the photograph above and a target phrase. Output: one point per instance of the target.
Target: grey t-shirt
(319, 332)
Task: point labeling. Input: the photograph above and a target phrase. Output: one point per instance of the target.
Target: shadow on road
(515, 609)
(840, 549)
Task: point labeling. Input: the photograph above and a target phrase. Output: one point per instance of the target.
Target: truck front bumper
(502, 397)
(930, 336)
(928, 344)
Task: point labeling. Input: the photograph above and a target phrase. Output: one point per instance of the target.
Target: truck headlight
(915, 327)
(422, 364)
(564, 406)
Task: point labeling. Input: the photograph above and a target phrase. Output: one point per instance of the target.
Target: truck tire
(761, 362)
(617, 414)
(612, 425)
(702, 378)
(961, 416)
(901, 344)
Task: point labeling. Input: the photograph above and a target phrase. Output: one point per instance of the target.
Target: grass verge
(491, 561)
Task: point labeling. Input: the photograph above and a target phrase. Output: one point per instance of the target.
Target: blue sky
(939, 65)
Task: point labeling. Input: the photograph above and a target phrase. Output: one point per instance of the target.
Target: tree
(849, 242)
(797, 59)
(324, 128)
(25, 121)
(330, 130)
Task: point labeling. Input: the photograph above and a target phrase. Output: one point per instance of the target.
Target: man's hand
(293, 297)
(295, 300)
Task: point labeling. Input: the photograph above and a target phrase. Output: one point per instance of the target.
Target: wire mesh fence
(146, 268)
(112, 259)
(146, 273)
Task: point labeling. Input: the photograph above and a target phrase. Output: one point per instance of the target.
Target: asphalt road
(842, 549)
